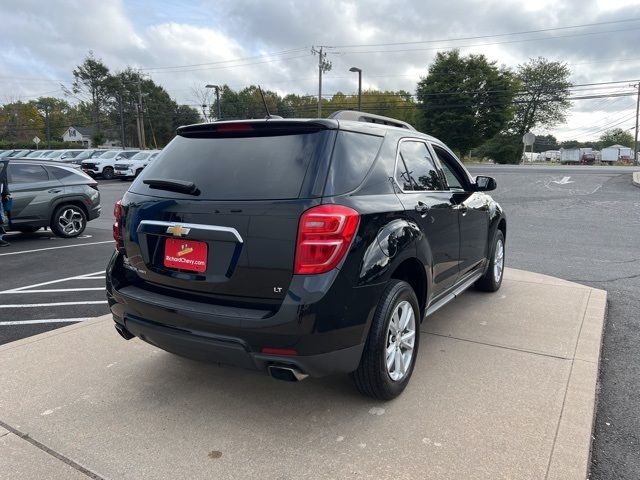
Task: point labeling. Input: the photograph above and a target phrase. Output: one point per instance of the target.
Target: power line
(456, 39)
(266, 55)
(484, 44)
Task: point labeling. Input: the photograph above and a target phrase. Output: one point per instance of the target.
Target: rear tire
(107, 173)
(68, 221)
(375, 377)
(492, 278)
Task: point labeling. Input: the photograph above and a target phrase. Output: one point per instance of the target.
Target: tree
(464, 100)
(616, 136)
(542, 99)
(544, 143)
(502, 148)
(91, 80)
(20, 122)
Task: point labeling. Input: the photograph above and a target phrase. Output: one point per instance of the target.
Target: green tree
(544, 143)
(20, 122)
(542, 99)
(616, 136)
(502, 148)
(91, 86)
(464, 100)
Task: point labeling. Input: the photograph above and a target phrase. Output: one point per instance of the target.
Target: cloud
(46, 40)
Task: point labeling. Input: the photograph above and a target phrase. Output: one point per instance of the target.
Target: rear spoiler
(255, 128)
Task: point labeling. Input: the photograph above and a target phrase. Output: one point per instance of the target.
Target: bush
(503, 148)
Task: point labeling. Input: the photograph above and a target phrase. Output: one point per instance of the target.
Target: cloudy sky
(182, 44)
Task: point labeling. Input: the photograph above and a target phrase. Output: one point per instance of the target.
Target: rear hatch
(216, 214)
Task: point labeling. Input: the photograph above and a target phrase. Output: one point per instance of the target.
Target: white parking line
(88, 276)
(47, 320)
(55, 248)
(54, 290)
(55, 304)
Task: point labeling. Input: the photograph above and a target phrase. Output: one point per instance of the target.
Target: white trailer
(551, 155)
(569, 155)
(615, 153)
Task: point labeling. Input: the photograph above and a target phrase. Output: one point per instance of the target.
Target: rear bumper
(94, 212)
(325, 320)
(234, 352)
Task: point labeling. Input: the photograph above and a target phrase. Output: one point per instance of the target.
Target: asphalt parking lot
(576, 223)
(48, 282)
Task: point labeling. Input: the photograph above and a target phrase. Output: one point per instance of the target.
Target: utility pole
(217, 87)
(48, 129)
(138, 125)
(635, 142)
(122, 137)
(141, 115)
(218, 101)
(323, 66)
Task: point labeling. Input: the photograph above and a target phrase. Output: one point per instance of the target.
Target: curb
(571, 453)
(636, 179)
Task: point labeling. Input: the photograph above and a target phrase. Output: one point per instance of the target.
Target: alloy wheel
(71, 221)
(498, 261)
(401, 336)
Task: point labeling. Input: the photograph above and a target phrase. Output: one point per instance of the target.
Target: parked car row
(95, 162)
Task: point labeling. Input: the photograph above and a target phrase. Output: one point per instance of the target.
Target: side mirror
(485, 184)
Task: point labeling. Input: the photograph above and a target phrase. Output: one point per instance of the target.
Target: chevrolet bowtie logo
(178, 230)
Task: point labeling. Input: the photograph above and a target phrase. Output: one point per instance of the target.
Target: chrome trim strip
(455, 293)
(195, 226)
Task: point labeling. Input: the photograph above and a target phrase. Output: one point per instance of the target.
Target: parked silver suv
(46, 194)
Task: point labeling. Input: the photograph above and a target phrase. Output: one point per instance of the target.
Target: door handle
(54, 190)
(422, 208)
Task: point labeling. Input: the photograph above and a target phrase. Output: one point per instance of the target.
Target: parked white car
(131, 168)
(104, 164)
(64, 156)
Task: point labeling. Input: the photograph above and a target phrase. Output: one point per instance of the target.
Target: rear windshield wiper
(179, 186)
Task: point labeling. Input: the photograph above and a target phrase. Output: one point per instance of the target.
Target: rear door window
(21, 173)
(239, 168)
(416, 170)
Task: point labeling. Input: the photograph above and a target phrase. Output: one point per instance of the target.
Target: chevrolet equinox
(301, 247)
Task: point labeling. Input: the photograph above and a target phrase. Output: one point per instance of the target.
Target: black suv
(301, 247)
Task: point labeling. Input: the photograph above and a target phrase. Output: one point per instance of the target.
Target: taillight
(324, 235)
(117, 225)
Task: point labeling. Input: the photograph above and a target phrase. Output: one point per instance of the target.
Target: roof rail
(370, 118)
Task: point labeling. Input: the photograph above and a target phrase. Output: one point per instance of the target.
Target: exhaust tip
(124, 333)
(287, 374)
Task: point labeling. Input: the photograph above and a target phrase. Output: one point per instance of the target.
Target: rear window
(353, 156)
(65, 174)
(239, 168)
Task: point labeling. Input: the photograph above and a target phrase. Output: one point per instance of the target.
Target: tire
(68, 221)
(373, 377)
(107, 173)
(491, 281)
(28, 229)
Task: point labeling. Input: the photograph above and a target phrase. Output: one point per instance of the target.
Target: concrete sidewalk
(504, 387)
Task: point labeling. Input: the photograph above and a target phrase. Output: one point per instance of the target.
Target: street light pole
(359, 70)
(635, 142)
(217, 87)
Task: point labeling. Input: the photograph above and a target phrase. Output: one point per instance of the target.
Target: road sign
(36, 140)
(528, 138)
